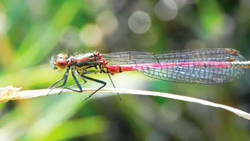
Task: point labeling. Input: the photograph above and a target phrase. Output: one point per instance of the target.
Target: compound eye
(61, 64)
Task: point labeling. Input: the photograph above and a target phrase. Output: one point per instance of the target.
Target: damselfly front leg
(77, 84)
(81, 83)
(64, 79)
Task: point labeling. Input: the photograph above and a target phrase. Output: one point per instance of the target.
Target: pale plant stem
(10, 93)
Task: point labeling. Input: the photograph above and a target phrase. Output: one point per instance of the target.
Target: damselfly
(210, 66)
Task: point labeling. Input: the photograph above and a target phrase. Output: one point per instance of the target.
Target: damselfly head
(98, 55)
(60, 61)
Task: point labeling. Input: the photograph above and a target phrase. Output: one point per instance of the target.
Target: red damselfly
(209, 66)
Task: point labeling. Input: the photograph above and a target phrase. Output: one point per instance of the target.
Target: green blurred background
(31, 31)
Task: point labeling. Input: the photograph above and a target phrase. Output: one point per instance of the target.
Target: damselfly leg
(114, 87)
(64, 79)
(77, 84)
(95, 80)
(82, 76)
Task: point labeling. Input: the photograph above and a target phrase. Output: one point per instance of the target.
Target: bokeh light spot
(139, 22)
(107, 22)
(166, 10)
(91, 35)
(70, 37)
(3, 23)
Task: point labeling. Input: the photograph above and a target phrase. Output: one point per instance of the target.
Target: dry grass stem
(11, 93)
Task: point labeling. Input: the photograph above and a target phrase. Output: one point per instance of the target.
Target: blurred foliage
(31, 31)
